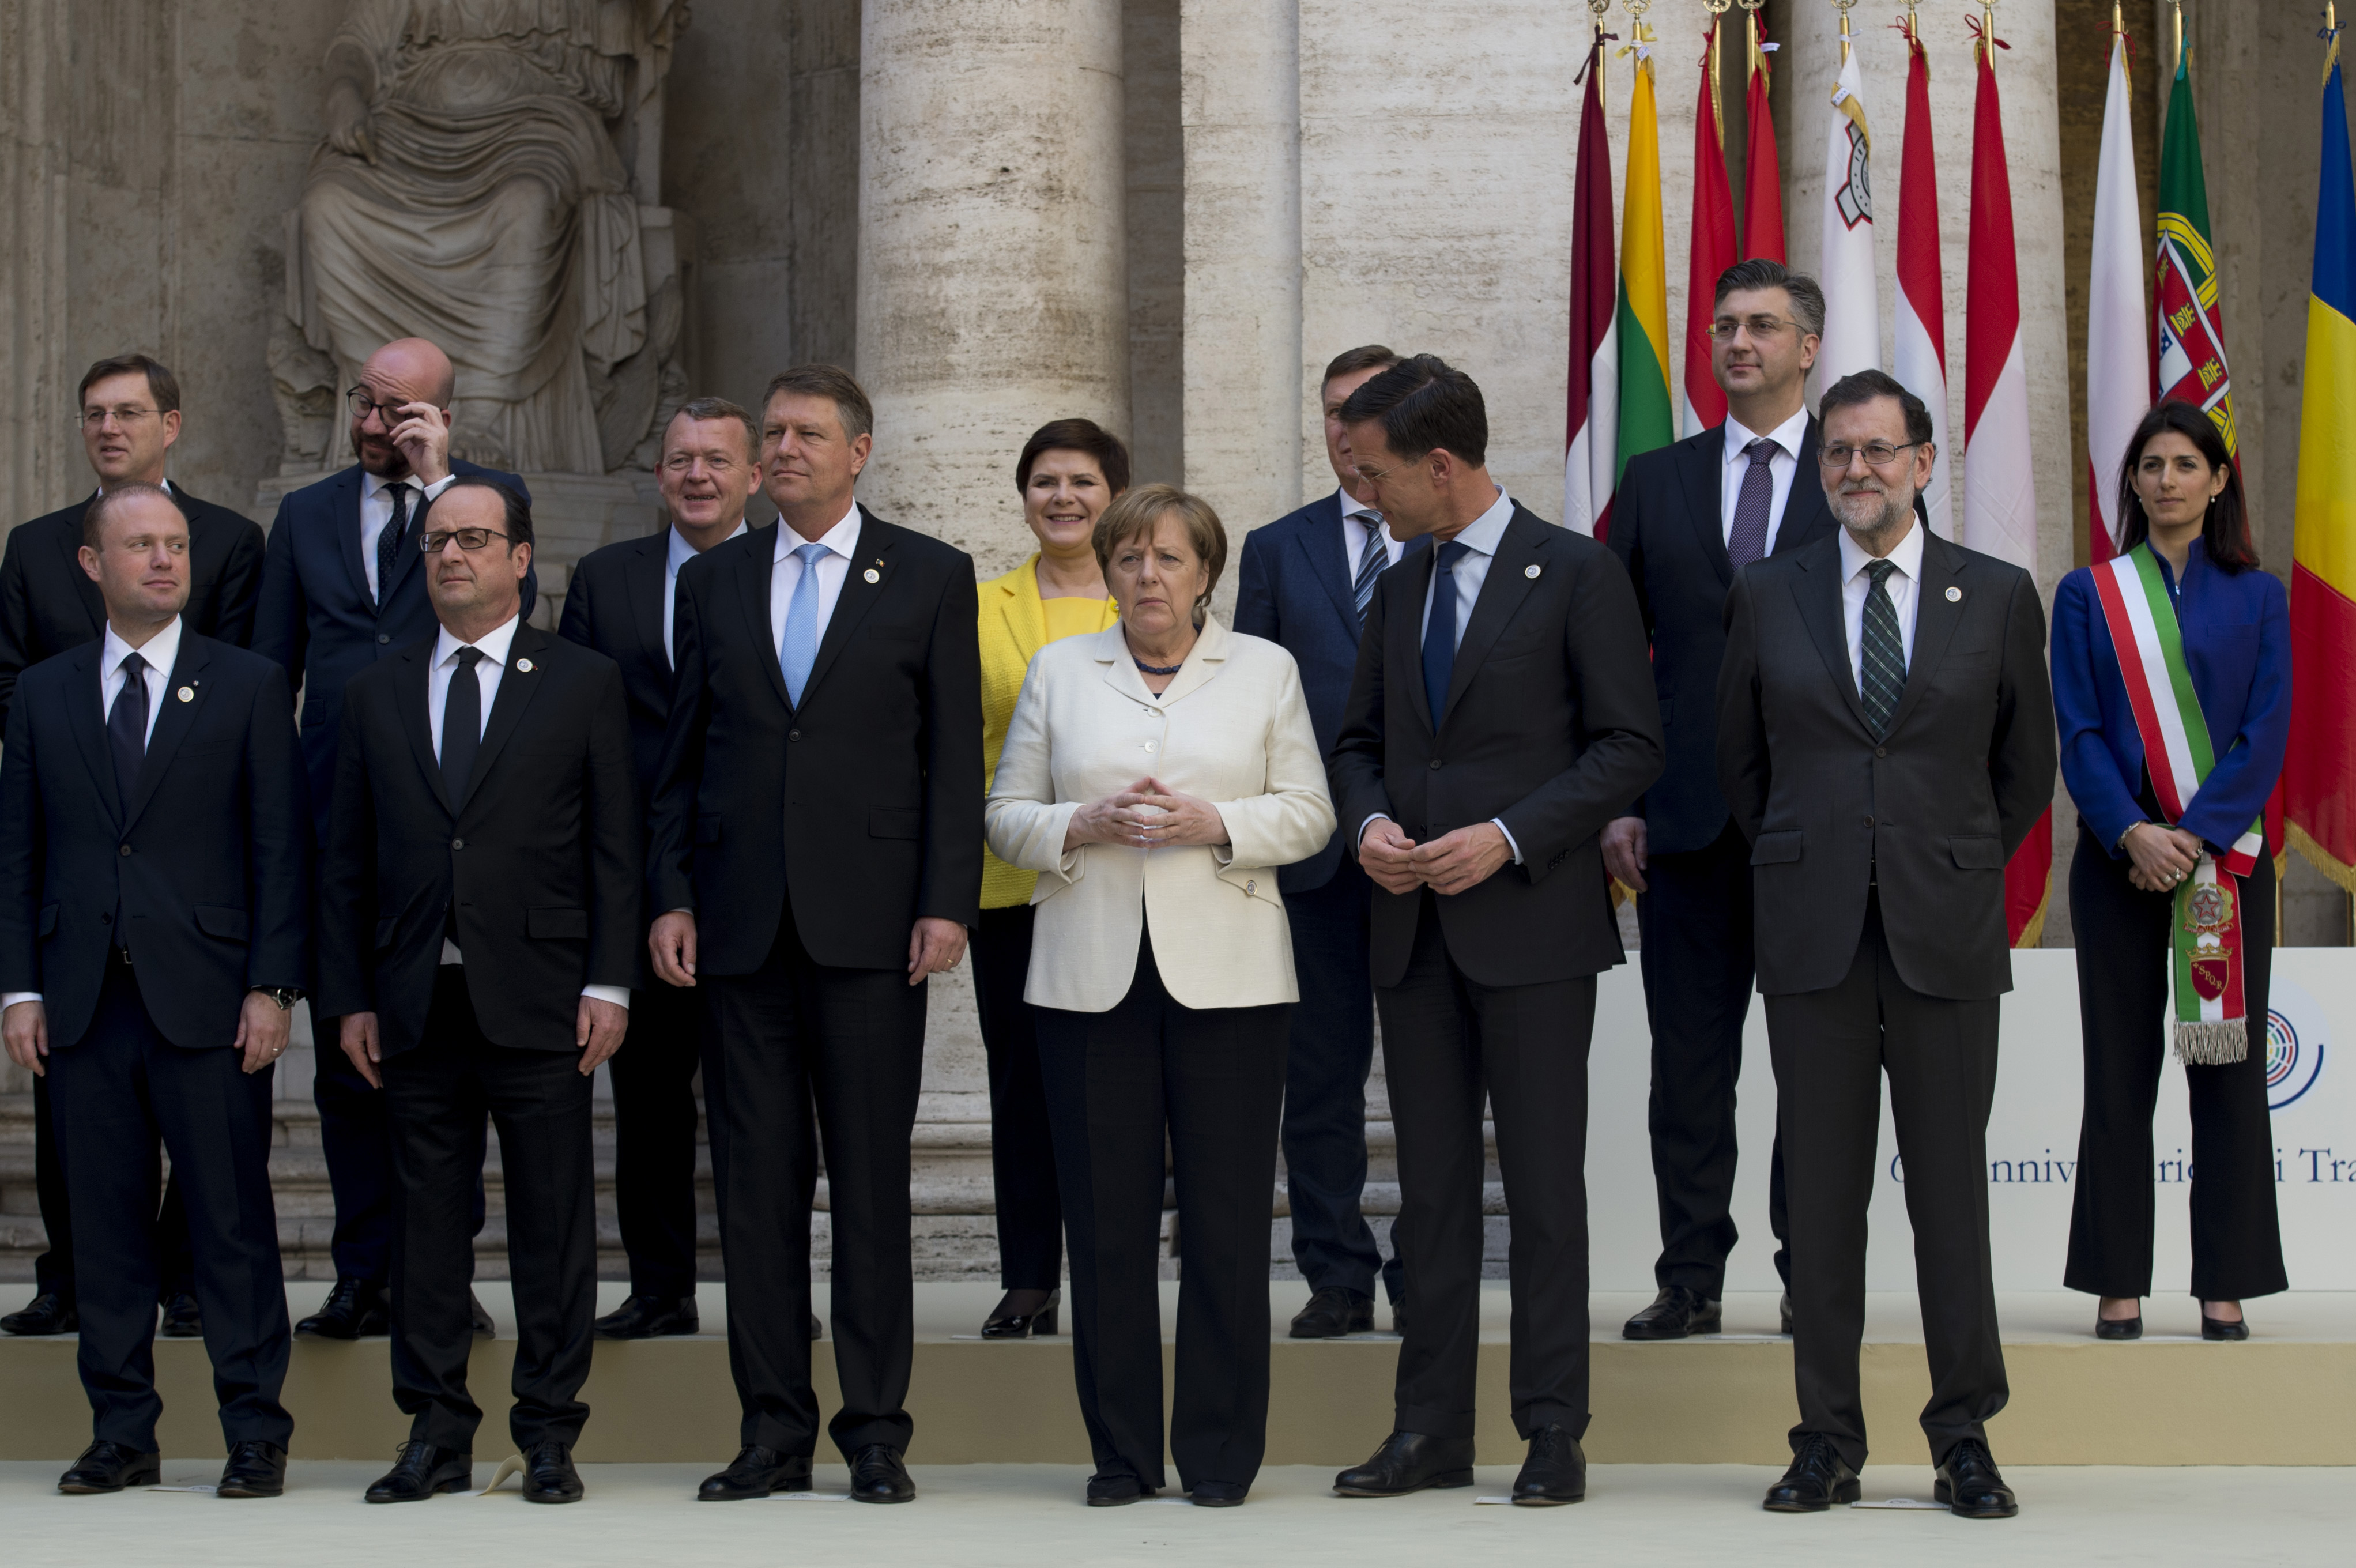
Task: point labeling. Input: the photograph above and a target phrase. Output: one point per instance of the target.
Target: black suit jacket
(537, 868)
(865, 805)
(48, 603)
(1550, 725)
(614, 603)
(1931, 812)
(207, 860)
(1667, 529)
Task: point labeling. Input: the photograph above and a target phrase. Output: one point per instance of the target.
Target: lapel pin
(186, 693)
(872, 575)
(1530, 572)
(523, 666)
(1955, 596)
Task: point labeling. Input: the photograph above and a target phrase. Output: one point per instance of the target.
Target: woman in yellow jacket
(1070, 470)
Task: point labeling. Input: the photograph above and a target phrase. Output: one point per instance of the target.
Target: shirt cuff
(1378, 817)
(1501, 828)
(10, 999)
(619, 996)
(438, 486)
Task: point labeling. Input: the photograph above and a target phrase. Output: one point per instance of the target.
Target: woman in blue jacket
(2184, 598)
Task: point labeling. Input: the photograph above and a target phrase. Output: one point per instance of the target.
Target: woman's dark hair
(1076, 436)
(2225, 532)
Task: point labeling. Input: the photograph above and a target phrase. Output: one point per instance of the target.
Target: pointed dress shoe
(1217, 1494)
(1112, 1488)
(421, 1471)
(877, 1476)
(755, 1473)
(2219, 1328)
(354, 1307)
(548, 1474)
(2119, 1327)
(649, 1318)
(1334, 1312)
(1675, 1314)
(255, 1469)
(109, 1467)
(1556, 1471)
(1818, 1478)
(1970, 1484)
(1408, 1462)
(1039, 1319)
(182, 1318)
(47, 1312)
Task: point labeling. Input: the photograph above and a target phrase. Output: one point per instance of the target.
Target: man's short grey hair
(713, 409)
(1807, 297)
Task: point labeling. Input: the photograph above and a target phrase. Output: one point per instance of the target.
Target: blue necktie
(1440, 629)
(1371, 562)
(797, 646)
(126, 728)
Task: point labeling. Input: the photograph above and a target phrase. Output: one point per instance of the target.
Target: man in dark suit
(622, 602)
(1501, 714)
(1305, 582)
(153, 895)
(1686, 518)
(343, 585)
(478, 931)
(1885, 739)
(816, 853)
(130, 418)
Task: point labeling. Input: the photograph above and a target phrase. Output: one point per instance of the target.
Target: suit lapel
(1502, 593)
(1329, 558)
(1806, 515)
(1935, 618)
(1121, 672)
(86, 709)
(753, 575)
(92, 604)
(865, 581)
(1697, 462)
(172, 725)
(519, 683)
(1024, 612)
(416, 692)
(1817, 587)
(645, 582)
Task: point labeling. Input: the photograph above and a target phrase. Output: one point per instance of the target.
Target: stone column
(36, 394)
(992, 251)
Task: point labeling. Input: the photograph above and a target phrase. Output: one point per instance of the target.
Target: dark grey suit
(1878, 870)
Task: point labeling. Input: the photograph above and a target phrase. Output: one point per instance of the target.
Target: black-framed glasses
(470, 538)
(1726, 327)
(362, 405)
(1876, 454)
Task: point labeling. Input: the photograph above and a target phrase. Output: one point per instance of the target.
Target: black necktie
(462, 727)
(126, 727)
(1882, 654)
(1440, 629)
(388, 543)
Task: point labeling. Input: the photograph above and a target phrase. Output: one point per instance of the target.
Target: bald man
(342, 586)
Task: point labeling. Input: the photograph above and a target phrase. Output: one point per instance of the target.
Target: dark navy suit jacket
(1293, 587)
(2236, 631)
(317, 620)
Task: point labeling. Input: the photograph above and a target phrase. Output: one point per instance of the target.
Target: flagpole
(1843, 5)
(1600, 7)
(1718, 9)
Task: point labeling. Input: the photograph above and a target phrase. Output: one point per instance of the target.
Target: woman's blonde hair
(1135, 512)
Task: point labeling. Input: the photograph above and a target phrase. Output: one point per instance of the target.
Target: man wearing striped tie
(1304, 582)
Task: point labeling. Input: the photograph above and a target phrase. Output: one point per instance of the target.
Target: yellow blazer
(1014, 628)
(1233, 728)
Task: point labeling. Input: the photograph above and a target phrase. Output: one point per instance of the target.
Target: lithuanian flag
(1645, 417)
(2319, 775)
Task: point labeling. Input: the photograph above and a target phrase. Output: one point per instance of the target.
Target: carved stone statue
(487, 169)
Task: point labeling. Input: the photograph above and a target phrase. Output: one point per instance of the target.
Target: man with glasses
(1687, 518)
(343, 585)
(128, 412)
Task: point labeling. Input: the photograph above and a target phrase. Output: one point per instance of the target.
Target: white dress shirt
(680, 554)
(376, 512)
(1358, 520)
(1781, 468)
(842, 542)
(494, 646)
(1904, 588)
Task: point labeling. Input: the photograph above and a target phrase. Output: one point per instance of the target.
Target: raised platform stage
(2282, 1397)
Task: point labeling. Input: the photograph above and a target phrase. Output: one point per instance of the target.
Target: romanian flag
(1763, 177)
(1647, 419)
(1591, 408)
(2319, 776)
(1712, 250)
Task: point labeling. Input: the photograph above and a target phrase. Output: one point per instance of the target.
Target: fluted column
(992, 284)
(34, 396)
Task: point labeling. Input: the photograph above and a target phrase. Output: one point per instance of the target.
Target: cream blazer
(1233, 728)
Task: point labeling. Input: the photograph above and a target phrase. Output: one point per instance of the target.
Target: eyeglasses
(1376, 475)
(470, 538)
(96, 418)
(1876, 454)
(1726, 328)
(363, 405)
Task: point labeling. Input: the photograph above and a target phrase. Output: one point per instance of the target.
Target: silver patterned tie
(1371, 560)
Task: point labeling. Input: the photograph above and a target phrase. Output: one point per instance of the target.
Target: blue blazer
(316, 619)
(2236, 631)
(1293, 587)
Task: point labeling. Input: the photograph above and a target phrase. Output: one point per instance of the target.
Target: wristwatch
(285, 995)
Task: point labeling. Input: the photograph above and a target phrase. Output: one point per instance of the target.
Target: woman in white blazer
(1155, 775)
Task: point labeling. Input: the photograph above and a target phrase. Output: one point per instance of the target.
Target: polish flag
(1919, 346)
(2118, 340)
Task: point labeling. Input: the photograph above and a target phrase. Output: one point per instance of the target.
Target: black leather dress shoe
(478, 1317)
(255, 1469)
(1818, 1478)
(1556, 1471)
(1217, 1494)
(420, 1471)
(1408, 1462)
(1784, 1314)
(649, 1318)
(1334, 1312)
(2119, 1327)
(755, 1473)
(109, 1467)
(182, 1318)
(1969, 1483)
(1674, 1313)
(1037, 1320)
(47, 1312)
(548, 1474)
(354, 1307)
(1112, 1488)
(877, 1476)
(2218, 1328)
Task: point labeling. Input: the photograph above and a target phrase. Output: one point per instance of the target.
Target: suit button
(458, 843)
(384, 637)
(793, 735)
(1881, 751)
(1251, 886)
(1149, 745)
(106, 919)
(1435, 764)
(126, 849)
(1868, 822)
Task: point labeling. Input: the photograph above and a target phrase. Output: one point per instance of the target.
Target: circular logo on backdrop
(2295, 1030)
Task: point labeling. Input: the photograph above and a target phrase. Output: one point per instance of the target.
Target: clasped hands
(1452, 863)
(1148, 814)
(2160, 857)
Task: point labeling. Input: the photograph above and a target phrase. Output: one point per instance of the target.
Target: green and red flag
(2189, 350)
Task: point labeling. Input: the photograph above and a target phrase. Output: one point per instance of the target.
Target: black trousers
(53, 1270)
(1330, 1049)
(654, 1138)
(1021, 1149)
(1697, 959)
(437, 1095)
(1831, 1049)
(1448, 1044)
(355, 1138)
(1212, 1080)
(2124, 1006)
(114, 1094)
(792, 1035)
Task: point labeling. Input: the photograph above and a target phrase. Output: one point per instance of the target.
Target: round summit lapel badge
(1955, 596)
(1530, 571)
(186, 693)
(523, 666)
(872, 575)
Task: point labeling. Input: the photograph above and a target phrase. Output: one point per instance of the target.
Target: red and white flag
(1710, 253)
(2118, 340)
(1845, 267)
(1919, 345)
(1763, 174)
(1591, 413)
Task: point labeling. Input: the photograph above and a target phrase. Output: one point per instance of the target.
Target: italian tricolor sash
(2212, 1025)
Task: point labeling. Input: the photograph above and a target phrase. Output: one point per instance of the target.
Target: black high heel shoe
(2119, 1327)
(2218, 1328)
(1040, 1320)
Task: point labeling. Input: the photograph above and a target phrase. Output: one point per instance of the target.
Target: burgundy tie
(1747, 543)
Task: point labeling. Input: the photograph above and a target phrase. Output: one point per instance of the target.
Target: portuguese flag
(2191, 341)
(1647, 419)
